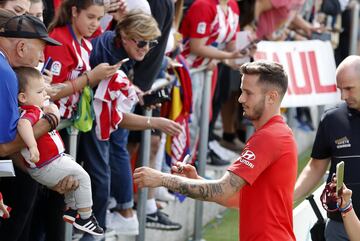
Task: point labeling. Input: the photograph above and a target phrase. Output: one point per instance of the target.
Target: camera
(158, 96)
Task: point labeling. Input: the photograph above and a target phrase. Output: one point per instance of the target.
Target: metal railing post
(354, 27)
(72, 151)
(203, 147)
(143, 192)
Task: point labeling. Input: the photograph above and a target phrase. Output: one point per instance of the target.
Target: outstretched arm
(220, 191)
(310, 177)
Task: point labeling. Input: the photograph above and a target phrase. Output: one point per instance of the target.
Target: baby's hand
(34, 154)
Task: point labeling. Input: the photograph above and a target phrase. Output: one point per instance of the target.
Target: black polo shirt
(338, 138)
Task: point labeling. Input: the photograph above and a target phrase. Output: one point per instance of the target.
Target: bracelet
(148, 122)
(86, 74)
(73, 86)
(343, 214)
(50, 120)
(347, 206)
(54, 118)
(1, 197)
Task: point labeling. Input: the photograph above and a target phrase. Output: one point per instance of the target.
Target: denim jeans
(108, 164)
(95, 155)
(121, 174)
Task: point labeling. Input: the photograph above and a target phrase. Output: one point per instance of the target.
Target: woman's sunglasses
(142, 43)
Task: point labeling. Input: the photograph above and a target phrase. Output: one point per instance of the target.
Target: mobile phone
(123, 61)
(47, 65)
(244, 50)
(157, 97)
(339, 177)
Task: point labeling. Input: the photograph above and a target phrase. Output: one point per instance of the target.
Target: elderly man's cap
(26, 26)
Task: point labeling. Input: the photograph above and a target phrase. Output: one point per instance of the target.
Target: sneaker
(161, 193)
(70, 215)
(122, 225)
(236, 145)
(215, 160)
(160, 220)
(89, 225)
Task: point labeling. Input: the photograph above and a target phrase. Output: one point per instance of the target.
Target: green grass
(226, 229)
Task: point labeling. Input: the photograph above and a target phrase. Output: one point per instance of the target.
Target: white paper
(6, 168)
(242, 40)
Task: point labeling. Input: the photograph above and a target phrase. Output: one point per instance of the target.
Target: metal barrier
(203, 146)
(143, 192)
(72, 151)
(355, 8)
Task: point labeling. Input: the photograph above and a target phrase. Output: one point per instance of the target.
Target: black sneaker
(89, 225)
(215, 160)
(70, 215)
(160, 220)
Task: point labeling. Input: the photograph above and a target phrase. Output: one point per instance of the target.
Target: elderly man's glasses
(142, 43)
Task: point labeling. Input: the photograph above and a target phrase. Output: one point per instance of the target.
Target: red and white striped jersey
(70, 61)
(206, 19)
(50, 145)
(113, 97)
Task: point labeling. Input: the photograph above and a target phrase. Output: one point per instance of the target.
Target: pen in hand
(184, 162)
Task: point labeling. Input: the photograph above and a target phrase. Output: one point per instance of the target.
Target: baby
(45, 158)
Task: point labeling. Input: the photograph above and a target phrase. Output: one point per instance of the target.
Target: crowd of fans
(108, 56)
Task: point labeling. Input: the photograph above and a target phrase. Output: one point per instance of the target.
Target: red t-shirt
(71, 59)
(205, 19)
(268, 164)
(275, 18)
(50, 145)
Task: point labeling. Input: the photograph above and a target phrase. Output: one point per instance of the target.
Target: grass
(226, 228)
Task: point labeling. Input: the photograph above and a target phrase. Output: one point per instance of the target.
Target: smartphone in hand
(339, 177)
(121, 62)
(47, 65)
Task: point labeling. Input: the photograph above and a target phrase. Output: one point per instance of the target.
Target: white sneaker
(162, 194)
(122, 225)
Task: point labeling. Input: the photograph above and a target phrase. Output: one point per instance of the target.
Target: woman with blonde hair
(133, 37)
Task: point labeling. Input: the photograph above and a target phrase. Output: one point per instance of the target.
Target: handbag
(84, 117)
(318, 230)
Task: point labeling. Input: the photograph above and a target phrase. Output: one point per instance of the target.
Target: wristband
(1, 197)
(86, 74)
(347, 206)
(54, 118)
(50, 120)
(73, 86)
(148, 122)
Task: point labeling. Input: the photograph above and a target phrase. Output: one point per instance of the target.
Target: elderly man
(22, 41)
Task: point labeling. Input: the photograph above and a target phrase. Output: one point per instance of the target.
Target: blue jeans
(121, 174)
(108, 164)
(95, 155)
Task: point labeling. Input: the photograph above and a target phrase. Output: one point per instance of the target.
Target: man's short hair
(23, 26)
(270, 74)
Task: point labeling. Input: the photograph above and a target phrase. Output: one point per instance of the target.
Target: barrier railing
(72, 151)
(203, 146)
(355, 8)
(143, 192)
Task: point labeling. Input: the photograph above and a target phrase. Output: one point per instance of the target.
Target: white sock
(85, 215)
(151, 206)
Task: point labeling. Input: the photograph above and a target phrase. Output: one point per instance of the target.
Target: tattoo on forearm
(235, 182)
(205, 191)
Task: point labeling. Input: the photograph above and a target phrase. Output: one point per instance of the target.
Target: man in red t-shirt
(265, 171)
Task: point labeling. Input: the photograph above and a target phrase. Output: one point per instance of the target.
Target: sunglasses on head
(143, 43)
